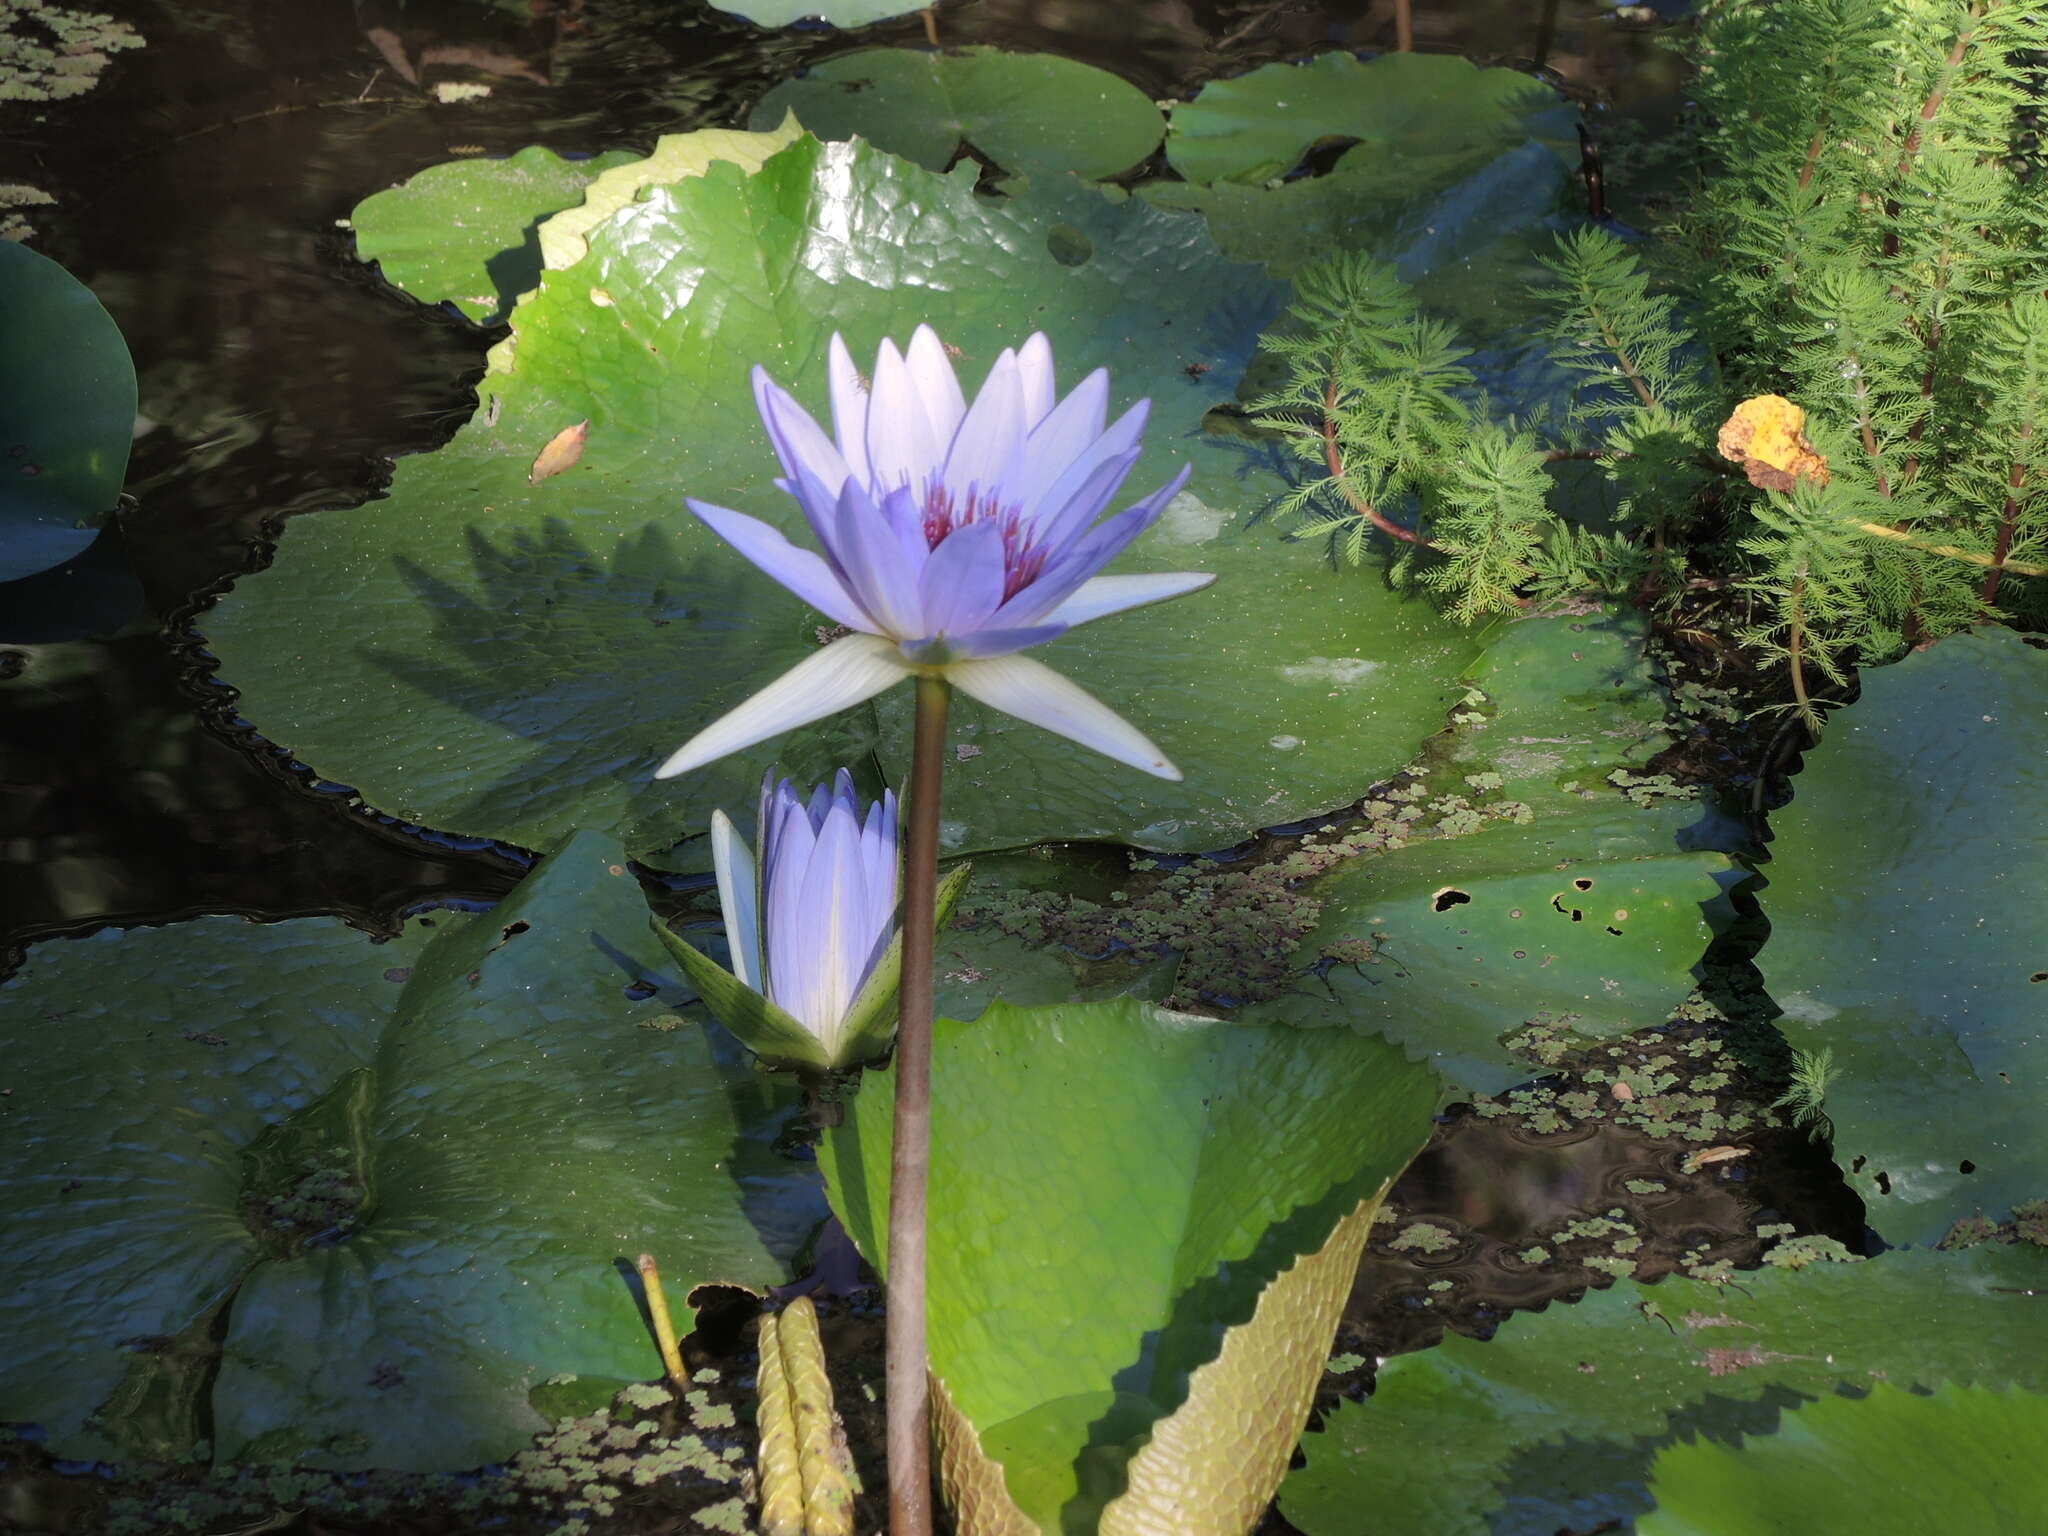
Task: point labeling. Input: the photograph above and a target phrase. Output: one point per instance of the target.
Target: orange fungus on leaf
(1767, 437)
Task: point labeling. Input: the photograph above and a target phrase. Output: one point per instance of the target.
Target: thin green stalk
(906, 1378)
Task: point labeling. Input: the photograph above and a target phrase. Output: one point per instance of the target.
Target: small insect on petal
(563, 451)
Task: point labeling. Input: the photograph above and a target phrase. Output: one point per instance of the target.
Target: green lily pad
(489, 656)
(1951, 1460)
(1426, 119)
(1215, 1155)
(1034, 113)
(1586, 912)
(1908, 899)
(1553, 1423)
(840, 13)
(675, 156)
(468, 233)
(67, 413)
(1288, 688)
(347, 1202)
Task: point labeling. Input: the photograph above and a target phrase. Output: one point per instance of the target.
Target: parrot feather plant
(952, 536)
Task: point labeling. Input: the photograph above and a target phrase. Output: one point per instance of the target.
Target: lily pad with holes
(1114, 1191)
(67, 413)
(1451, 944)
(468, 233)
(1034, 113)
(490, 656)
(1561, 901)
(1951, 1460)
(341, 1202)
(1555, 1422)
(1908, 899)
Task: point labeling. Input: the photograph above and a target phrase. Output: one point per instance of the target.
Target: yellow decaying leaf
(1767, 437)
(562, 452)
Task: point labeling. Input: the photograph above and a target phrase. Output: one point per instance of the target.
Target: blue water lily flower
(951, 536)
(811, 926)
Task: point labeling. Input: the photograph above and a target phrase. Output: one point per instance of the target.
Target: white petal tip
(678, 764)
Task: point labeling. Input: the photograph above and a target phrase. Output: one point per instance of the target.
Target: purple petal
(903, 511)
(739, 899)
(984, 453)
(882, 568)
(814, 960)
(1031, 691)
(904, 446)
(1106, 540)
(799, 441)
(802, 572)
(1119, 442)
(847, 672)
(938, 388)
(1069, 561)
(821, 510)
(963, 582)
(1102, 595)
(1001, 642)
(1063, 435)
(1034, 369)
(1064, 524)
(880, 855)
(1145, 512)
(1067, 572)
(849, 408)
(782, 888)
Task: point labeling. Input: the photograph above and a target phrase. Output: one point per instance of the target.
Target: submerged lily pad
(1949, 1460)
(1908, 899)
(67, 413)
(1569, 700)
(468, 233)
(347, 1202)
(1553, 1423)
(1459, 178)
(840, 13)
(1426, 119)
(1217, 1156)
(1030, 112)
(485, 655)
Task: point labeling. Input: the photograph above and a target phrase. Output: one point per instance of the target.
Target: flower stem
(906, 1379)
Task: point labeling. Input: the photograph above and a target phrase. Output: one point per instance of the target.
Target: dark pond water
(199, 190)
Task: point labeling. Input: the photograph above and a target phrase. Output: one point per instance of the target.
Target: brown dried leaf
(563, 451)
(1767, 437)
(1699, 1160)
